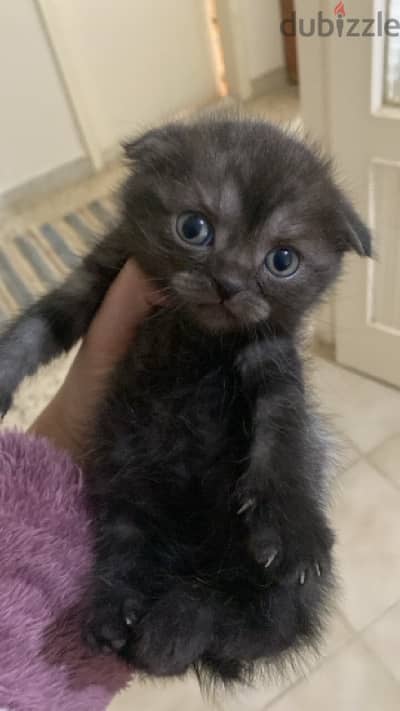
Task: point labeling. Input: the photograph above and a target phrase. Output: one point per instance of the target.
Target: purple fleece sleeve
(45, 560)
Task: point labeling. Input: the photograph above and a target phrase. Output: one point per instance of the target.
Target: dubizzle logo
(339, 13)
(340, 10)
(342, 26)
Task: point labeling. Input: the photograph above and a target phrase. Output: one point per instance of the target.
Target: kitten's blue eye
(193, 228)
(282, 262)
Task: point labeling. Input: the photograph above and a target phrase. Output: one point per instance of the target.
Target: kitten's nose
(227, 287)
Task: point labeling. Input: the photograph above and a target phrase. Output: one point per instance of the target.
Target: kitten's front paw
(311, 570)
(264, 541)
(265, 545)
(111, 621)
(292, 542)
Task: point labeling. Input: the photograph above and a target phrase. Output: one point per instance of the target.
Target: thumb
(128, 300)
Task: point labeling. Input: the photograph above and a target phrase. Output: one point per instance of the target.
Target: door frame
(314, 87)
(314, 79)
(231, 21)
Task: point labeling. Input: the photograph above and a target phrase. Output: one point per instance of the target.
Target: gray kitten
(207, 485)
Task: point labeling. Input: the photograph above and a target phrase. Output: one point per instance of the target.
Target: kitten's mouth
(216, 315)
(238, 313)
(212, 311)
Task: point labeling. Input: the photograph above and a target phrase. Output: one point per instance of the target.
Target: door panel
(365, 140)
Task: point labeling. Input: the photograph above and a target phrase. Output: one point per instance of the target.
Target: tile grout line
(359, 636)
(385, 476)
(378, 468)
(356, 637)
(380, 661)
(323, 659)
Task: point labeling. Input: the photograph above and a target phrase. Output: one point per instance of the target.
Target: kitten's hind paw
(106, 639)
(110, 625)
(266, 547)
(292, 548)
(264, 542)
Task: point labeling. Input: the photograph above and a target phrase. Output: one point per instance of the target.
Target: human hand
(68, 417)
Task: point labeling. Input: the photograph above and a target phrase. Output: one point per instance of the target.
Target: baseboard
(266, 83)
(61, 177)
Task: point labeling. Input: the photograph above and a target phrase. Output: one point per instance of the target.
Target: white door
(362, 131)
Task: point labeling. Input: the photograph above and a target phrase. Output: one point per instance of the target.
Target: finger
(127, 302)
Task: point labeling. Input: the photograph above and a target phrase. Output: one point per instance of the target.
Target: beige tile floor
(360, 666)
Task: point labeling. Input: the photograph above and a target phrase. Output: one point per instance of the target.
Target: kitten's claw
(271, 558)
(130, 612)
(249, 504)
(306, 572)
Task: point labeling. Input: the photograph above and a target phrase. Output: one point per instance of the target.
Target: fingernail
(155, 298)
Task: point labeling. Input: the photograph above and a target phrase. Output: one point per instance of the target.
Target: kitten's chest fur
(178, 422)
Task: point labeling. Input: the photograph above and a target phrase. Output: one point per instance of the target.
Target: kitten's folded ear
(164, 142)
(143, 148)
(353, 232)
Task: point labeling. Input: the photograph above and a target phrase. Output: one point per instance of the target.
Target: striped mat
(35, 261)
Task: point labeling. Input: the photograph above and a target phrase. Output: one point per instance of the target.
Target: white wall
(138, 60)
(37, 132)
(261, 28)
